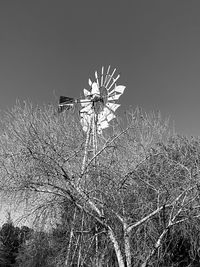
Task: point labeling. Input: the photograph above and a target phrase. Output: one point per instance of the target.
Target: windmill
(97, 108)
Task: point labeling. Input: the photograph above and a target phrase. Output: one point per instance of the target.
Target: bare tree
(127, 203)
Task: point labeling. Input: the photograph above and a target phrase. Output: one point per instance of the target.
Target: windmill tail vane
(66, 103)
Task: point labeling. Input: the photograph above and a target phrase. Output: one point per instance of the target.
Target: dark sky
(51, 47)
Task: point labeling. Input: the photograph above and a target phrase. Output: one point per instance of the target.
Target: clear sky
(50, 48)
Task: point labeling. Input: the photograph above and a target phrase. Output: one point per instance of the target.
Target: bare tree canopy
(122, 210)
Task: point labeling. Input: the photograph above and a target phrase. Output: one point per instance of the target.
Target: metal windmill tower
(97, 109)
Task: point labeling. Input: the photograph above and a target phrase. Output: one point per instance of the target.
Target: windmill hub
(99, 100)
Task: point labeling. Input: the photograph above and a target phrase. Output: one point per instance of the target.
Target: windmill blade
(87, 109)
(107, 75)
(106, 114)
(103, 114)
(95, 89)
(90, 82)
(97, 78)
(110, 117)
(85, 103)
(85, 118)
(103, 121)
(114, 97)
(114, 81)
(110, 77)
(119, 89)
(86, 92)
(103, 125)
(102, 69)
(112, 106)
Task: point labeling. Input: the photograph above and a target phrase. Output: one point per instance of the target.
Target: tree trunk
(117, 248)
(127, 245)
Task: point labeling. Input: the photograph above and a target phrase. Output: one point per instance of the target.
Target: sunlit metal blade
(97, 78)
(103, 114)
(120, 89)
(95, 89)
(86, 92)
(104, 125)
(112, 106)
(87, 109)
(110, 117)
(114, 81)
(89, 82)
(106, 114)
(110, 77)
(85, 117)
(85, 104)
(114, 97)
(102, 75)
(105, 117)
(107, 74)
